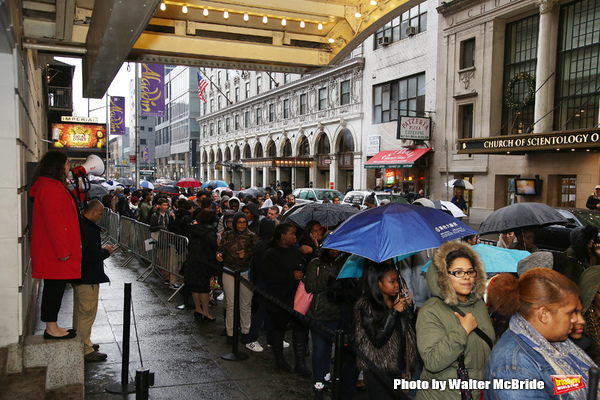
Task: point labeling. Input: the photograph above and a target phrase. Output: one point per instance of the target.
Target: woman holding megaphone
(55, 238)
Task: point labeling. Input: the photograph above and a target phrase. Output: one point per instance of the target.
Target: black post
(593, 383)
(234, 355)
(143, 381)
(338, 359)
(124, 386)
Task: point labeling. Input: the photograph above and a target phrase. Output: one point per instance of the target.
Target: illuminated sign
(79, 136)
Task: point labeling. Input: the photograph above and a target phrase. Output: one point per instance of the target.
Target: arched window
(227, 154)
(258, 150)
(271, 149)
(323, 146)
(236, 153)
(247, 151)
(287, 148)
(346, 143)
(303, 147)
(212, 157)
(219, 156)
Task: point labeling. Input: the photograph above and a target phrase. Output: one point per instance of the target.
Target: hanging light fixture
(226, 14)
(163, 7)
(265, 20)
(358, 15)
(283, 22)
(320, 26)
(302, 24)
(205, 12)
(184, 9)
(331, 40)
(373, 2)
(246, 17)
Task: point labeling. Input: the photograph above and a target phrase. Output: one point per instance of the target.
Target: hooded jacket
(55, 231)
(440, 337)
(233, 242)
(253, 225)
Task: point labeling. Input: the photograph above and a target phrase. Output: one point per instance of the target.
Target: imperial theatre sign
(578, 139)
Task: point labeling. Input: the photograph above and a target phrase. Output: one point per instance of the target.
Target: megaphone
(92, 165)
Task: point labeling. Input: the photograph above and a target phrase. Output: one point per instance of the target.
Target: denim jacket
(513, 358)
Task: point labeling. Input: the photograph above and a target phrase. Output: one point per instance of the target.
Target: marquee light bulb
(358, 15)
(205, 12)
(320, 26)
(265, 20)
(184, 9)
(302, 24)
(163, 7)
(246, 17)
(373, 2)
(283, 22)
(226, 15)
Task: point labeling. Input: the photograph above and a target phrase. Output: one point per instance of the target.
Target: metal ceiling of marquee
(295, 36)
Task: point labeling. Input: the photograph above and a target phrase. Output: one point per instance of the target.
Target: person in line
(86, 289)
(310, 241)
(201, 263)
(506, 239)
(336, 200)
(447, 335)
(459, 200)
(162, 220)
(370, 202)
(583, 253)
(283, 272)
(590, 301)
(383, 331)
(235, 251)
(593, 202)
(55, 238)
(536, 345)
(525, 241)
(252, 216)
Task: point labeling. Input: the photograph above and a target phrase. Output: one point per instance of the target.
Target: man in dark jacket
(593, 202)
(85, 290)
(253, 216)
(123, 203)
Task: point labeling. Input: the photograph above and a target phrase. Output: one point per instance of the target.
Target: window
(247, 119)
(286, 108)
(237, 94)
(204, 107)
(219, 102)
(322, 98)
(227, 76)
(142, 128)
(403, 97)
(144, 118)
(271, 80)
(228, 96)
(258, 84)
(578, 69)
(247, 90)
(258, 116)
(143, 142)
(271, 112)
(219, 127)
(520, 57)
(219, 78)
(467, 53)
(345, 93)
(568, 188)
(286, 78)
(212, 105)
(204, 131)
(303, 104)
(212, 129)
(237, 122)
(226, 124)
(150, 129)
(465, 121)
(409, 23)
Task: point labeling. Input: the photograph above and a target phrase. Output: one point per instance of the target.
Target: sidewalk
(184, 355)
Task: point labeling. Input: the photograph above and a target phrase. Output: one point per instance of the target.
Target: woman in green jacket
(456, 279)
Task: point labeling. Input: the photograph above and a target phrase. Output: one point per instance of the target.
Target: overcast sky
(82, 107)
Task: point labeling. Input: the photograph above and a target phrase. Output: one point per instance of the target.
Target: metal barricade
(104, 220)
(126, 236)
(170, 251)
(113, 228)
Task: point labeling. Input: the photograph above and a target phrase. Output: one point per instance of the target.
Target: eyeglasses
(461, 273)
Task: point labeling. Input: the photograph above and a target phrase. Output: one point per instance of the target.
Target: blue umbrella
(395, 229)
(353, 267)
(496, 259)
(214, 184)
(147, 185)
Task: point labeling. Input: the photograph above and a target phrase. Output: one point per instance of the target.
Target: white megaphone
(92, 165)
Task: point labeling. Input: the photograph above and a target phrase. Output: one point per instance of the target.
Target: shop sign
(327, 161)
(132, 158)
(79, 136)
(531, 142)
(373, 145)
(414, 128)
(68, 118)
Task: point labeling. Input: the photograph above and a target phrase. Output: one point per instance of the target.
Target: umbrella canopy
(395, 229)
(146, 184)
(253, 191)
(424, 202)
(167, 189)
(189, 182)
(460, 183)
(496, 259)
(224, 190)
(521, 215)
(328, 214)
(450, 208)
(110, 185)
(97, 191)
(126, 181)
(214, 184)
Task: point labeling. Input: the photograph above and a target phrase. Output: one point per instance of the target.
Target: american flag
(202, 84)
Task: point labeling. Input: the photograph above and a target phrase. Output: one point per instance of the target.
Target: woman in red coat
(55, 238)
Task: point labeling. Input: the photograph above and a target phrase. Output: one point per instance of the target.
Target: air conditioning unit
(411, 30)
(384, 40)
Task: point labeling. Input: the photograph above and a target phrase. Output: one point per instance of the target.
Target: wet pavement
(184, 355)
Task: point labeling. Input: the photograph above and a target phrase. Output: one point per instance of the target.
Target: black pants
(380, 390)
(52, 295)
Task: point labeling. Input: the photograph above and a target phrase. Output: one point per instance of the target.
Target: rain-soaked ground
(184, 355)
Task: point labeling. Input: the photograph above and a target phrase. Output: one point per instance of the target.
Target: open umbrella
(253, 191)
(146, 184)
(460, 183)
(328, 214)
(214, 184)
(189, 182)
(224, 190)
(521, 215)
(167, 189)
(395, 229)
(97, 191)
(111, 185)
(496, 259)
(450, 208)
(126, 181)
(424, 202)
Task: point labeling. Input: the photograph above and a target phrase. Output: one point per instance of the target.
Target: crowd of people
(403, 326)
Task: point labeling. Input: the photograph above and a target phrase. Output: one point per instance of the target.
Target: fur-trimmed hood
(438, 278)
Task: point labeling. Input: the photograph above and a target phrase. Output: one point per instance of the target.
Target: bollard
(124, 386)
(338, 360)
(235, 355)
(143, 380)
(593, 383)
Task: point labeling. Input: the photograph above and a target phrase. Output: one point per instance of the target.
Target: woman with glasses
(235, 251)
(454, 332)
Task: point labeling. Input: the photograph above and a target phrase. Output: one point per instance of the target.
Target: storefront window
(568, 188)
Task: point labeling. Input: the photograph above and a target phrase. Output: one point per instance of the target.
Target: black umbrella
(521, 215)
(167, 189)
(254, 192)
(328, 214)
(126, 181)
(96, 191)
(460, 183)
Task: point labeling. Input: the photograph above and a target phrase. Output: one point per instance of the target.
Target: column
(265, 180)
(358, 182)
(277, 174)
(546, 65)
(253, 177)
(333, 172)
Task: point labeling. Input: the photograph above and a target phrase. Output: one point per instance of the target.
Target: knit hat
(134, 200)
(540, 259)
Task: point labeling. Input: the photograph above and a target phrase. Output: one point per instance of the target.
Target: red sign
(132, 159)
(567, 383)
(79, 136)
(330, 185)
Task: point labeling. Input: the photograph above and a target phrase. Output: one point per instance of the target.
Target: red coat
(55, 232)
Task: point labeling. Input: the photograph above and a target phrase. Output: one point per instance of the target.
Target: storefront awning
(403, 158)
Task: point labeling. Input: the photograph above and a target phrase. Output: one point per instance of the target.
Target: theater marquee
(580, 139)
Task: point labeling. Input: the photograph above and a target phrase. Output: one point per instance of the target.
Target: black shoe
(72, 333)
(95, 356)
(229, 340)
(95, 347)
(198, 316)
(282, 364)
(205, 318)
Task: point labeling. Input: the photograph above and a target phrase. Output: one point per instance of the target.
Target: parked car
(357, 197)
(556, 237)
(306, 195)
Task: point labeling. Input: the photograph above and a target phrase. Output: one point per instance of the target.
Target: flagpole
(137, 131)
